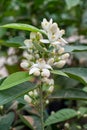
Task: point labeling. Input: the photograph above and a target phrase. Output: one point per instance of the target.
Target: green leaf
(13, 42)
(70, 94)
(59, 72)
(61, 115)
(6, 121)
(75, 48)
(15, 92)
(14, 79)
(21, 26)
(77, 73)
(72, 3)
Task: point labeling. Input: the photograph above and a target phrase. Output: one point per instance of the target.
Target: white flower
(45, 73)
(53, 32)
(40, 66)
(60, 63)
(45, 24)
(27, 98)
(24, 64)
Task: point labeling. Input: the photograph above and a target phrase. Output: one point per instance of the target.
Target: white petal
(47, 66)
(32, 70)
(44, 40)
(63, 40)
(28, 43)
(35, 65)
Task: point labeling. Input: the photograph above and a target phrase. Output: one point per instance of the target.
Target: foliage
(70, 82)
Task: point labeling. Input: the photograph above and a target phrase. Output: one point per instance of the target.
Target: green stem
(41, 108)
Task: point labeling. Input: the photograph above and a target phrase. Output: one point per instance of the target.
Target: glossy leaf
(61, 115)
(59, 72)
(14, 79)
(13, 42)
(15, 92)
(21, 26)
(77, 73)
(70, 94)
(72, 3)
(6, 121)
(75, 48)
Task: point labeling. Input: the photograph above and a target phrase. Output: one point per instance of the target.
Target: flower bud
(1, 107)
(31, 93)
(47, 101)
(24, 64)
(51, 88)
(60, 64)
(51, 82)
(28, 56)
(37, 73)
(37, 56)
(50, 61)
(45, 73)
(65, 56)
(45, 80)
(35, 93)
(27, 99)
(67, 125)
(61, 50)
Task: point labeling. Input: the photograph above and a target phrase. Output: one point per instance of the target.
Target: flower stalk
(41, 108)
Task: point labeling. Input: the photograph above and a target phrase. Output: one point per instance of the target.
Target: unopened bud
(47, 101)
(61, 50)
(50, 61)
(65, 56)
(27, 99)
(45, 73)
(60, 64)
(1, 107)
(24, 64)
(35, 93)
(37, 73)
(67, 125)
(31, 93)
(51, 88)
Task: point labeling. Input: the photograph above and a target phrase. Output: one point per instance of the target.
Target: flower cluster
(40, 64)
